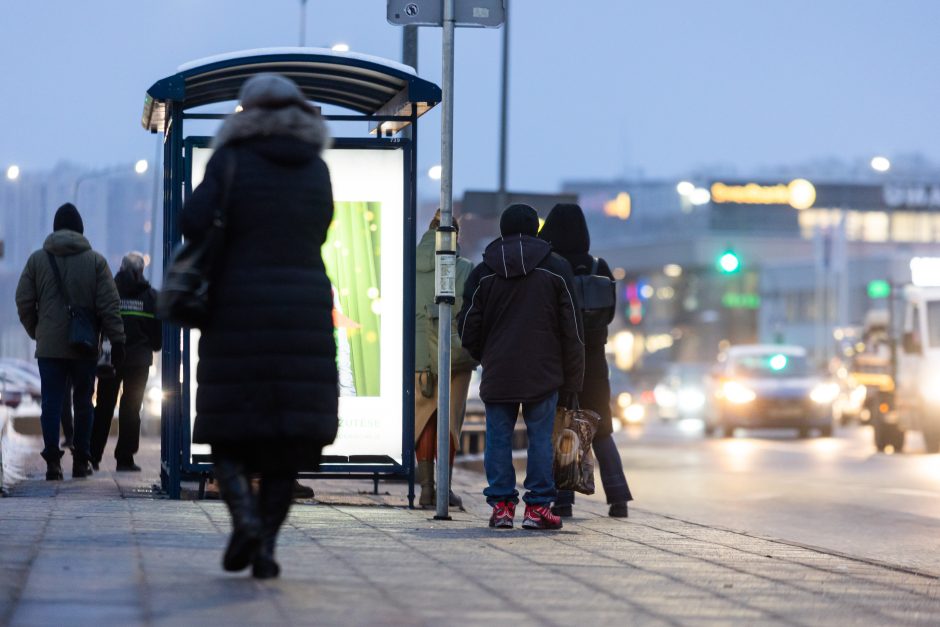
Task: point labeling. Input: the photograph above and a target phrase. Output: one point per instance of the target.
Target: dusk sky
(598, 88)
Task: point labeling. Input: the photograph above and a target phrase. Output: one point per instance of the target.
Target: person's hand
(117, 354)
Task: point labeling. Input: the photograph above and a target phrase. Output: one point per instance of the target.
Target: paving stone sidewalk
(104, 551)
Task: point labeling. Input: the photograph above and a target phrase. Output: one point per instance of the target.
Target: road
(835, 493)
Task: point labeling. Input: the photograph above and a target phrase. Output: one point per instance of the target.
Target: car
(680, 394)
(771, 387)
(625, 403)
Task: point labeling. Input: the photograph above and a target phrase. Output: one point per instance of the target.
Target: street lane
(836, 493)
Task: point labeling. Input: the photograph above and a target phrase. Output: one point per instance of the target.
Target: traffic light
(729, 262)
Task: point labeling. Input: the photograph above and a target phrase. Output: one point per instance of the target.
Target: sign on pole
(467, 13)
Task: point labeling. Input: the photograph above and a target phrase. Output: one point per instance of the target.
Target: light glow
(825, 393)
(672, 270)
(685, 188)
(925, 271)
(624, 400)
(700, 196)
(13, 172)
(435, 172)
(778, 362)
(880, 164)
(340, 47)
(634, 414)
(737, 394)
(141, 166)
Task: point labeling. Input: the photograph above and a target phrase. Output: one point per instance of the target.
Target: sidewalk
(103, 551)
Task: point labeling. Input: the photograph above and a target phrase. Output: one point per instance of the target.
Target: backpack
(598, 296)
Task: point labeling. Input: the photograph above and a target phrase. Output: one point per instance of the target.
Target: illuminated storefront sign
(912, 196)
(362, 255)
(798, 193)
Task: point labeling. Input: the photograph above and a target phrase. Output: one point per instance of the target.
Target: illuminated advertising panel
(363, 257)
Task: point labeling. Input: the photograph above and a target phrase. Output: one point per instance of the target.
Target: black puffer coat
(267, 358)
(566, 230)
(520, 320)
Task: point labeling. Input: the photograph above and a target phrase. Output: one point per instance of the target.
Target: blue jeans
(497, 458)
(612, 477)
(54, 375)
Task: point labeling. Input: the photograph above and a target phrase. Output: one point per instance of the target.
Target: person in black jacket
(268, 384)
(521, 321)
(566, 230)
(144, 336)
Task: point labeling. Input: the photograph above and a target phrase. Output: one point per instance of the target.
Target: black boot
(81, 467)
(246, 526)
(274, 503)
(53, 465)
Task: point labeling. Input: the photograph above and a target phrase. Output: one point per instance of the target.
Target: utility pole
(504, 113)
(409, 56)
(303, 23)
(445, 264)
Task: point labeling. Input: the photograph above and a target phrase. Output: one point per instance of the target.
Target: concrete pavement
(104, 551)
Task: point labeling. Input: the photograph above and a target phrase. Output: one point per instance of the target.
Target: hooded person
(267, 375)
(566, 230)
(462, 365)
(144, 336)
(521, 320)
(66, 276)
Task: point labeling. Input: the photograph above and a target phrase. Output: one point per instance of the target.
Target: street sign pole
(446, 259)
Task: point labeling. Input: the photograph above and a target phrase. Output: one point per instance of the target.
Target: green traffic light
(729, 263)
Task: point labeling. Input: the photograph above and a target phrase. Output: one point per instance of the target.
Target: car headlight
(691, 399)
(857, 396)
(624, 400)
(737, 393)
(824, 393)
(634, 414)
(665, 397)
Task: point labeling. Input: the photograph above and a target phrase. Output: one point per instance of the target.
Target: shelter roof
(369, 85)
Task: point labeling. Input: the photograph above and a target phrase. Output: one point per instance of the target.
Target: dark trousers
(54, 375)
(68, 432)
(133, 379)
(612, 477)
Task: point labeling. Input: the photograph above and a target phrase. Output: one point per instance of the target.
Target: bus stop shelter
(369, 253)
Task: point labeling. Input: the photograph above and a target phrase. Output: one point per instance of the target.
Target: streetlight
(141, 166)
(13, 172)
(340, 47)
(434, 172)
(880, 164)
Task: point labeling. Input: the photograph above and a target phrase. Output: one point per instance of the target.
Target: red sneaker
(503, 513)
(540, 517)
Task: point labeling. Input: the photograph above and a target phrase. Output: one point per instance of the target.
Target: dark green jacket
(424, 296)
(88, 282)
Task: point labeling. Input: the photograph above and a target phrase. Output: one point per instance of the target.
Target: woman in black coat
(566, 230)
(267, 395)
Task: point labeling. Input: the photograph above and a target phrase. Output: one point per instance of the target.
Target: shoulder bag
(83, 329)
(184, 298)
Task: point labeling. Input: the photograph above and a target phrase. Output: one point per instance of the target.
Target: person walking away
(462, 366)
(521, 321)
(144, 336)
(566, 230)
(63, 274)
(268, 384)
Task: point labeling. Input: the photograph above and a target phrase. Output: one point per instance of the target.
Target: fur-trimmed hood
(292, 122)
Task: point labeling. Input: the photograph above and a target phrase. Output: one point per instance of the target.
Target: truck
(900, 363)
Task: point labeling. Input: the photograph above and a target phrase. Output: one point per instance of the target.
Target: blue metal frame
(320, 77)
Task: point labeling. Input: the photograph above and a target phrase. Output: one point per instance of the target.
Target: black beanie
(519, 219)
(67, 217)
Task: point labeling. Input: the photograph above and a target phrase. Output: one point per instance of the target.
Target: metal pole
(409, 56)
(504, 112)
(445, 304)
(303, 23)
(157, 160)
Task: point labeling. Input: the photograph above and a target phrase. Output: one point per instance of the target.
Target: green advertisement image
(352, 255)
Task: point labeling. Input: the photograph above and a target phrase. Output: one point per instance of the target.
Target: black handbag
(83, 327)
(184, 298)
